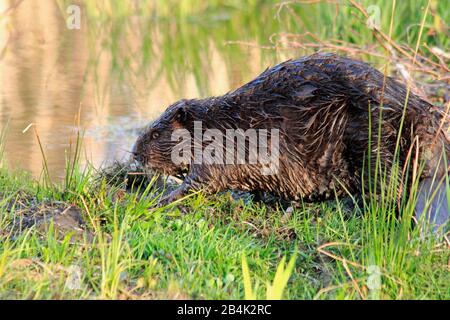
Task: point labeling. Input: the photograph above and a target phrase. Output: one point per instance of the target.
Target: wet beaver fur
(324, 106)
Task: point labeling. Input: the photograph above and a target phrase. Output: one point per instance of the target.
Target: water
(107, 79)
(131, 59)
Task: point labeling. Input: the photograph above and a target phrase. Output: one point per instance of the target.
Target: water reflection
(110, 73)
(131, 59)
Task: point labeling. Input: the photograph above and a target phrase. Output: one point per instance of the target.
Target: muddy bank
(25, 213)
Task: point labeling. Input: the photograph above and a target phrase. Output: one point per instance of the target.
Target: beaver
(334, 119)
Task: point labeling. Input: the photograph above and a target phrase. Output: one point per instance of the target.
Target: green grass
(214, 247)
(196, 250)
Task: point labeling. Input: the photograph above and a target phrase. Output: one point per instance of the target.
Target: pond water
(126, 61)
(121, 69)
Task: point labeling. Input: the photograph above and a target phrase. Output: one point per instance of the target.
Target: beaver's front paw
(172, 197)
(165, 201)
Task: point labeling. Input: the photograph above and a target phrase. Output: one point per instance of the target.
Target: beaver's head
(154, 146)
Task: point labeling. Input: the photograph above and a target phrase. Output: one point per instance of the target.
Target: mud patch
(65, 219)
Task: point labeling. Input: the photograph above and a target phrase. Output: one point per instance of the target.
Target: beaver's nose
(136, 153)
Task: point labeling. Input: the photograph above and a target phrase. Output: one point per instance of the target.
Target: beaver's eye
(155, 135)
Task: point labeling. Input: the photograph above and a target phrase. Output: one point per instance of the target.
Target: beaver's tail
(433, 201)
(433, 204)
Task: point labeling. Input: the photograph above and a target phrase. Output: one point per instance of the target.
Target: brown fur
(320, 104)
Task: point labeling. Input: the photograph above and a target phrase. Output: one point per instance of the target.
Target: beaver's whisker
(128, 151)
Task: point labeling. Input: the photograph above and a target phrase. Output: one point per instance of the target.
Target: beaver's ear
(180, 115)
